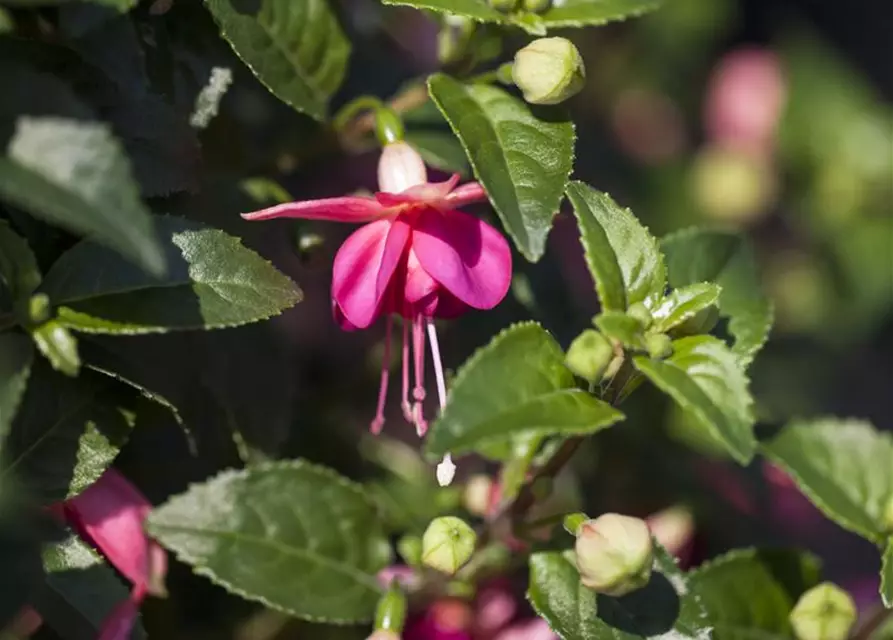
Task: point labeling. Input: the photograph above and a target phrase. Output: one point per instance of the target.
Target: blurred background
(773, 117)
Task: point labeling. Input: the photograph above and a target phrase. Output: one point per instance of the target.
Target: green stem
(352, 109)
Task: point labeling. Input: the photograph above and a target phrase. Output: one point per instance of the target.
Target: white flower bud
(825, 612)
(614, 554)
(400, 167)
(549, 71)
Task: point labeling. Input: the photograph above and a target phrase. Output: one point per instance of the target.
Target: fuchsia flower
(416, 257)
(110, 514)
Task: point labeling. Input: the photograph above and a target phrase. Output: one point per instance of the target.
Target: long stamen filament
(404, 403)
(446, 469)
(418, 393)
(378, 421)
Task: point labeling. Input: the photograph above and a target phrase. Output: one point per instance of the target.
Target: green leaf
(477, 10)
(16, 356)
(665, 608)
(583, 13)
(522, 158)
(749, 593)
(887, 574)
(75, 175)
(622, 256)
(515, 387)
(79, 590)
(67, 432)
(6, 23)
(212, 282)
(120, 5)
(18, 266)
(844, 466)
(439, 149)
(708, 383)
(726, 258)
(58, 346)
(683, 304)
(627, 330)
(294, 536)
(295, 48)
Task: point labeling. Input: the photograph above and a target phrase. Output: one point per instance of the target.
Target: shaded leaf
(294, 536)
(726, 258)
(749, 593)
(515, 387)
(684, 303)
(19, 272)
(582, 13)
(844, 466)
(16, 356)
(622, 256)
(58, 346)
(522, 158)
(212, 281)
(707, 382)
(440, 150)
(295, 48)
(75, 175)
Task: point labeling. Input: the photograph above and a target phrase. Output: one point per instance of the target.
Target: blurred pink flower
(416, 256)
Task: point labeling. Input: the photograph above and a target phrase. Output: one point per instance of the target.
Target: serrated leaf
(79, 590)
(887, 574)
(684, 303)
(626, 330)
(440, 150)
(58, 346)
(522, 160)
(67, 432)
(295, 48)
(75, 175)
(844, 466)
(622, 256)
(18, 266)
(296, 537)
(515, 387)
(706, 380)
(749, 593)
(477, 10)
(16, 356)
(212, 281)
(726, 258)
(665, 608)
(583, 13)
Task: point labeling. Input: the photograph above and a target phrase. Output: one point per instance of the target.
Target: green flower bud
(537, 6)
(640, 312)
(825, 612)
(388, 126)
(589, 355)
(390, 614)
(614, 554)
(549, 71)
(659, 345)
(410, 549)
(702, 322)
(573, 522)
(504, 6)
(447, 544)
(39, 308)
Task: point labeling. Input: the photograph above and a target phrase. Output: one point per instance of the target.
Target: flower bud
(825, 612)
(447, 544)
(400, 167)
(388, 126)
(549, 71)
(504, 6)
(614, 554)
(39, 308)
(537, 6)
(390, 614)
(476, 496)
(640, 312)
(589, 355)
(659, 345)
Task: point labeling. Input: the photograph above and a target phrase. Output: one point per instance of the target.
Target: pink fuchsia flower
(110, 515)
(416, 257)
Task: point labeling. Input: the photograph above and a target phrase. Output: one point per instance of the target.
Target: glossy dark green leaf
(628, 331)
(19, 272)
(75, 175)
(583, 13)
(707, 382)
(684, 303)
(887, 573)
(749, 593)
(294, 536)
(522, 157)
(516, 386)
(844, 466)
(66, 433)
(440, 150)
(665, 608)
(79, 591)
(212, 281)
(622, 256)
(16, 356)
(726, 258)
(295, 47)
(58, 346)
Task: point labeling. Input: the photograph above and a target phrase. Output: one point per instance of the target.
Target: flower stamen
(418, 392)
(404, 402)
(378, 422)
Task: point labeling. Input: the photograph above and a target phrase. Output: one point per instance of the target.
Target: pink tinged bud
(674, 529)
(119, 623)
(614, 554)
(110, 515)
(400, 167)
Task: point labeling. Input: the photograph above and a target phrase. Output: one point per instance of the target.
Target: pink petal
(119, 623)
(364, 266)
(468, 193)
(424, 295)
(430, 192)
(467, 256)
(346, 209)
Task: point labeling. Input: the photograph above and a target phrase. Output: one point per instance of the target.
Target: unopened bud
(589, 355)
(640, 312)
(447, 544)
(390, 614)
(388, 126)
(549, 71)
(39, 308)
(659, 345)
(825, 612)
(537, 6)
(400, 167)
(476, 497)
(504, 6)
(614, 554)
(700, 323)
(410, 549)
